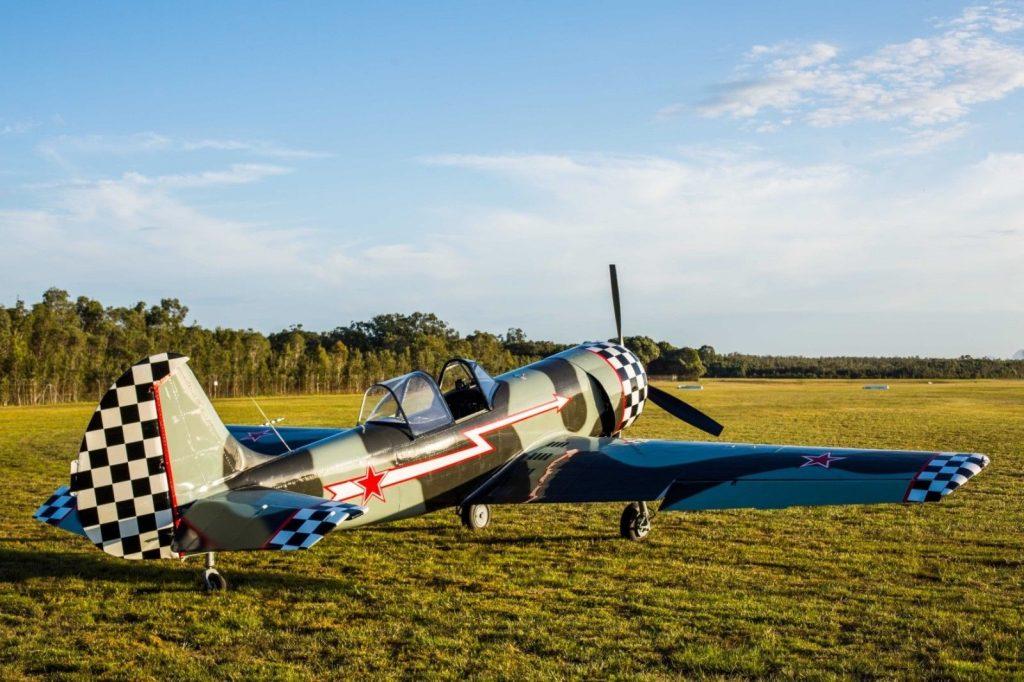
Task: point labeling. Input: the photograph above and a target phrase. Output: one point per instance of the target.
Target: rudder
(153, 423)
(121, 486)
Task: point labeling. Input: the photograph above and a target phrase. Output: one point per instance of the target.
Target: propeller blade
(688, 413)
(615, 302)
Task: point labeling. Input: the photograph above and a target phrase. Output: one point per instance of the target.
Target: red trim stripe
(167, 458)
(622, 387)
(911, 483)
(479, 446)
(281, 527)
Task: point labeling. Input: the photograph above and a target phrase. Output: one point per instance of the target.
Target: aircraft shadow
(538, 539)
(401, 530)
(484, 538)
(19, 565)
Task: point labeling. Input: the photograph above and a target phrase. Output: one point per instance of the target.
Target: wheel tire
(214, 581)
(634, 525)
(476, 516)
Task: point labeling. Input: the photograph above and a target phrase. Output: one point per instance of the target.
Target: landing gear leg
(213, 581)
(635, 523)
(475, 516)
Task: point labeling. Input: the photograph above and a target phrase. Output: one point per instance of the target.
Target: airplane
(159, 476)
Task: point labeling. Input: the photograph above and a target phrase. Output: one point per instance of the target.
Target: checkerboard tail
(153, 418)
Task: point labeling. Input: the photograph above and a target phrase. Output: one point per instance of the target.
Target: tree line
(63, 350)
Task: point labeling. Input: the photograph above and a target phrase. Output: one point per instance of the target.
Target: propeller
(615, 302)
(681, 410)
(666, 401)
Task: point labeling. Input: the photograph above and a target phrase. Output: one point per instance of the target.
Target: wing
(259, 518)
(263, 440)
(699, 475)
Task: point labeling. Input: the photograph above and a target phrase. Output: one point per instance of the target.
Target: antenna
(267, 421)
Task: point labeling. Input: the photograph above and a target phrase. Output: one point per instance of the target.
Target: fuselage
(589, 390)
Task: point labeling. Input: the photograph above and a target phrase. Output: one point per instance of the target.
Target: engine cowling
(619, 373)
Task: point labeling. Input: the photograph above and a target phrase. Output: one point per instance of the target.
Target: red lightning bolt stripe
(344, 490)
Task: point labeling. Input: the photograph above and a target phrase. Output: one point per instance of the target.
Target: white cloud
(236, 174)
(60, 147)
(922, 141)
(17, 127)
(994, 181)
(750, 235)
(714, 232)
(998, 17)
(255, 147)
(138, 233)
(922, 82)
(137, 230)
(57, 147)
(653, 181)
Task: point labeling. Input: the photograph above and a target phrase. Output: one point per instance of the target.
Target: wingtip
(943, 474)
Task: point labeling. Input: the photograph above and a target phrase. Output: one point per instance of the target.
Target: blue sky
(798, 178)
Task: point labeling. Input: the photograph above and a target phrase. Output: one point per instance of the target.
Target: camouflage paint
(549, 436)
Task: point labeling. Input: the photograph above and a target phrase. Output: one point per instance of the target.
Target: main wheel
(214, 581)
(634, 524)
(476, 516)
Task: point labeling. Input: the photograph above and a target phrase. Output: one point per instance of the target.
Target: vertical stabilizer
(154, 445)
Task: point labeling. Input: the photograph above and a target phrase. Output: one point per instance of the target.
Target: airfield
(931, 590)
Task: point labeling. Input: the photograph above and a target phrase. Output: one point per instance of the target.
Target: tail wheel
(213, 581)
(476, 516)
(635, 523)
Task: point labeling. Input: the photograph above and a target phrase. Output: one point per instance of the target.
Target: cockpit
(418, 404)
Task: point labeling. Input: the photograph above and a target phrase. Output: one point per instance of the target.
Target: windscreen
(411, 400)
(379, 405)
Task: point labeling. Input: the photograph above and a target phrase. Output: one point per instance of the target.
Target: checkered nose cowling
(120, 483)
(631, 375)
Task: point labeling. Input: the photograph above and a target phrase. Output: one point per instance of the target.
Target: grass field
(922, 591)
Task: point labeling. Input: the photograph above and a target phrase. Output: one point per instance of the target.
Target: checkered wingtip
(631, 374)
(943, 474)
(309, 526)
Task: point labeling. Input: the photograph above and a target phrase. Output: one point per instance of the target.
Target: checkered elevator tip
(944, 474)
(57, 506)
(631, 373)
(121, 487)
(309, 526)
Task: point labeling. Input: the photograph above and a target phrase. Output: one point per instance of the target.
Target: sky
(795, 178)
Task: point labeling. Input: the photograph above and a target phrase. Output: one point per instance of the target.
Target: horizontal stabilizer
(259, 518)
(268, 441)
(60, 511)
(56, 507)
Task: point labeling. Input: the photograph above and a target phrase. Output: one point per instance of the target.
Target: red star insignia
(820, 460)
(370, 483)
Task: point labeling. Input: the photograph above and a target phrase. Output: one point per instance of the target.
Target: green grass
(922, 591)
